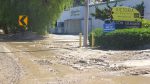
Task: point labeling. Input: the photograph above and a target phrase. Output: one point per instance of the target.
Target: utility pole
(85, 44)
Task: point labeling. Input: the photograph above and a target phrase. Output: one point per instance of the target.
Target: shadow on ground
(21, 37)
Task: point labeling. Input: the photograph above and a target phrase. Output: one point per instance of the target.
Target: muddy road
(59, 60)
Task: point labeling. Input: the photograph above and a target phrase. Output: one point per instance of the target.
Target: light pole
(86, 23)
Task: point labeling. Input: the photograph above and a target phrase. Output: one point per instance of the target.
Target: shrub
(145, 23)
(125, 38)
(97, 33)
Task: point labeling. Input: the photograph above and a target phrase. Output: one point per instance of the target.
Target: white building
(72, 21)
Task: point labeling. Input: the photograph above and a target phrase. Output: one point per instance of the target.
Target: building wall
(74, 17)
(72, 20)
(72, 26)
(73, 13)
(64, 16)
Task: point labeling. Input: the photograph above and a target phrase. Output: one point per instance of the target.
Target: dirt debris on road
(59, 60)
(9, 68)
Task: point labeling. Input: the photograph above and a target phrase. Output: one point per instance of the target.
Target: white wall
(147, 9)
(77, 12)
(64, 16)
(73, 13)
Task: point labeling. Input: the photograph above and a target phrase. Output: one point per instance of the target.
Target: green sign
(125, 14)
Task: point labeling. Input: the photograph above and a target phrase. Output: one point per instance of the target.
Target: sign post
(93, 40)
(86, 23)
(80, 40)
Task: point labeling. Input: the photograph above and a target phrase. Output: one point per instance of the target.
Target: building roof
(102, 3)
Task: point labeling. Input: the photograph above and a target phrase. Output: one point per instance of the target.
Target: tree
(105, 13)
(140, 8)
(78, 2)
(42, 13)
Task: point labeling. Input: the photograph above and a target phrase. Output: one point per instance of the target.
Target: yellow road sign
(125, 14)
(23, 20)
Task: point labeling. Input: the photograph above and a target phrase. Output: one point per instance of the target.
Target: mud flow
(59, 60)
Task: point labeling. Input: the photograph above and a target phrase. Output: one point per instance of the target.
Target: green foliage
(145, 23)
(125, 38)
(105, 13)
(97, 34)
(102, 14)
(42, 13)
(140, 8)
(78, 2)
